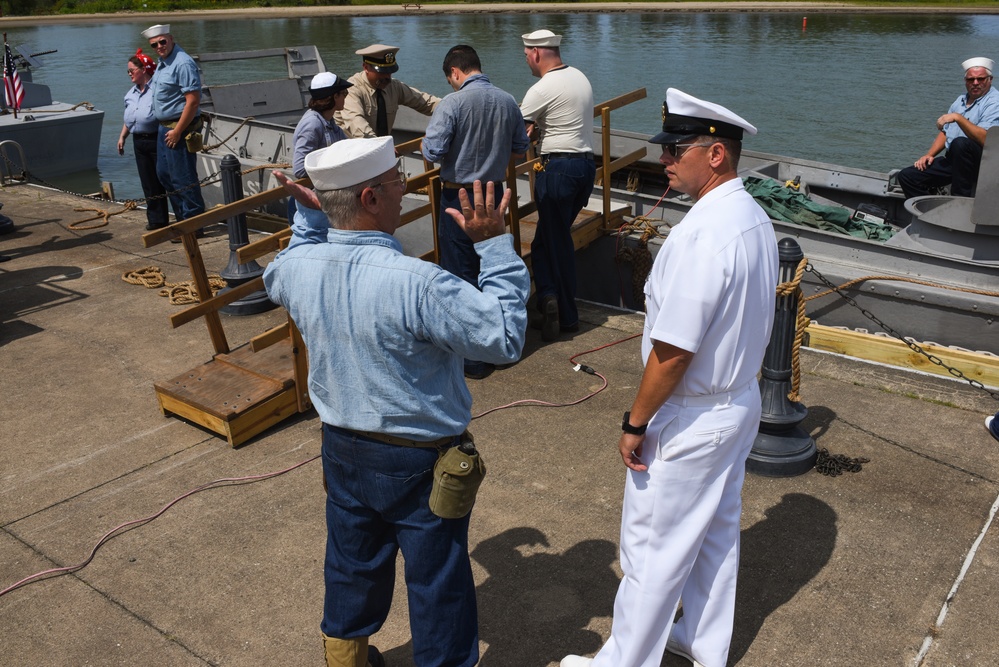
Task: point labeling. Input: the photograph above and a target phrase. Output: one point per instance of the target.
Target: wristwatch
(632, 430)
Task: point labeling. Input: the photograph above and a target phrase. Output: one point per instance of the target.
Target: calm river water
(863, 90)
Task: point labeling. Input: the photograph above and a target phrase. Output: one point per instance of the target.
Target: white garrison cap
(156, 31)
(987, 63)
(325, 84)
(686, 116)
(349, 162)
(542, 38)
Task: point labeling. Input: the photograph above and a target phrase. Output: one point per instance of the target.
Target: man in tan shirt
(372, 103)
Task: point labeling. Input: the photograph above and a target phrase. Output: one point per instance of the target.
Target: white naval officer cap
(349, 162)
(541, 38)
(156, 31)
(686, 116)
(987, 63)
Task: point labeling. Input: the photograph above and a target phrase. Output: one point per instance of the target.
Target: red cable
(233, 481)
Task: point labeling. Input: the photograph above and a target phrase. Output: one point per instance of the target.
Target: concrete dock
(895, 565)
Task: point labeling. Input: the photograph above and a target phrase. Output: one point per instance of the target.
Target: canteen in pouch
(457, 476)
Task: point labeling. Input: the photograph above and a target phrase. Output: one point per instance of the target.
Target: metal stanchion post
(782, 448)
(235, 273)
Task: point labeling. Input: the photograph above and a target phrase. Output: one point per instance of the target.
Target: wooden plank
(212, 305)
(215, 215)
(200, 277)
(261, 417)
(619, 101)
(264, 246)
(272, 363)
(621, 163)
(269, 337)
(219, 390)
(976, 366)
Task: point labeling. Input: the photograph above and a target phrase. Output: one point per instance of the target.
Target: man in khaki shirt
(373, 101)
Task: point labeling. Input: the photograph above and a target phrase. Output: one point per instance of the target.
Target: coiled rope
(179, 294)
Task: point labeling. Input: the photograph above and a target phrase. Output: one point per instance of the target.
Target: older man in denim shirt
(386, 335)
(472, 134)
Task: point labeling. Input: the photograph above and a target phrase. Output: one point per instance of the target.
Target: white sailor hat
(325, 84)
(686, 116)
(349, 162)
(987, 63)
(380, 57)
(156, 31)
(541, 38)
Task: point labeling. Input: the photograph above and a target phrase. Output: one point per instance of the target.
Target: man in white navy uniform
(710, 306)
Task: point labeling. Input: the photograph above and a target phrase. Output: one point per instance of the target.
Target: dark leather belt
(144, 135)
(401, 442)
(566, 156)
(448, 185)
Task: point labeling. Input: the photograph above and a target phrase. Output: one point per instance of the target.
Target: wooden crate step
(236, 395)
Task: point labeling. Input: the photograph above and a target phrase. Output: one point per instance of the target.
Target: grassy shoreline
(255, 11)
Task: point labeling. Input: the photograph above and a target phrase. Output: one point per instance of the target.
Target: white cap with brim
(541, 38)
(686, 116)
(156, 31)
(987, 63)
(349, 162)
(325, 84)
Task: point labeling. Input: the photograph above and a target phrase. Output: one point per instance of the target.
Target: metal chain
(954, 372)
(31, 178)
(834, 465)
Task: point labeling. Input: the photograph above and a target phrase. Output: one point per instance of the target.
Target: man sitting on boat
(371, 105)
(962, 135)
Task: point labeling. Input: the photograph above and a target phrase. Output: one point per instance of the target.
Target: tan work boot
(346, 652)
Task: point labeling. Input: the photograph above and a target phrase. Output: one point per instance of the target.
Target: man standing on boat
(472, 134)
(560, 108)
(962, 135)
(709, 312)
(386, 336)
(372, 104)
(176, 89)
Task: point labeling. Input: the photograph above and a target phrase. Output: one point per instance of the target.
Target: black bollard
(235, 273)
(782, 448)
(6, 224)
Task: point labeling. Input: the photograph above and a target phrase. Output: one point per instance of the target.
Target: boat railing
(7, 170)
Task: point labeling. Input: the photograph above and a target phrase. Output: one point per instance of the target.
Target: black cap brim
(671, 138)
(385, 69)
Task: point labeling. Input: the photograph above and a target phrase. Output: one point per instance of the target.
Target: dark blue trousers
(958, 168)
(377, 504)
(157, 213)
(177, 169)
(561, 191)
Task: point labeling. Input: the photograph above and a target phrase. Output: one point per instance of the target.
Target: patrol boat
(927, 268)
(47, 138)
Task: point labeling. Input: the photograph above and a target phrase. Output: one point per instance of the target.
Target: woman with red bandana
(142, 125)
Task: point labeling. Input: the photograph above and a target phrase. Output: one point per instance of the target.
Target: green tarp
(790, 205)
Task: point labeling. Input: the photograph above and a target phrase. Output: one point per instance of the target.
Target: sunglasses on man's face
(158, 43)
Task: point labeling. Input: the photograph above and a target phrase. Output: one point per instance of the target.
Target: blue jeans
(377, 504)
(177, 168)
(561, 191)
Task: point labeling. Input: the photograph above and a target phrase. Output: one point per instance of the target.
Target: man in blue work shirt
(176, 91)
(472, 134)
(962, 135)
(386, 334)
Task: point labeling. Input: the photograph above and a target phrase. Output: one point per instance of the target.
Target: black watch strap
(627, 427)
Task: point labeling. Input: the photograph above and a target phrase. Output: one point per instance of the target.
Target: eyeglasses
(676, 154)
(400, 179)
(158, 43)
(133, 71)
(977, 79)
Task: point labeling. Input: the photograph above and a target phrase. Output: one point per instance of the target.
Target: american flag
(13, 91)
